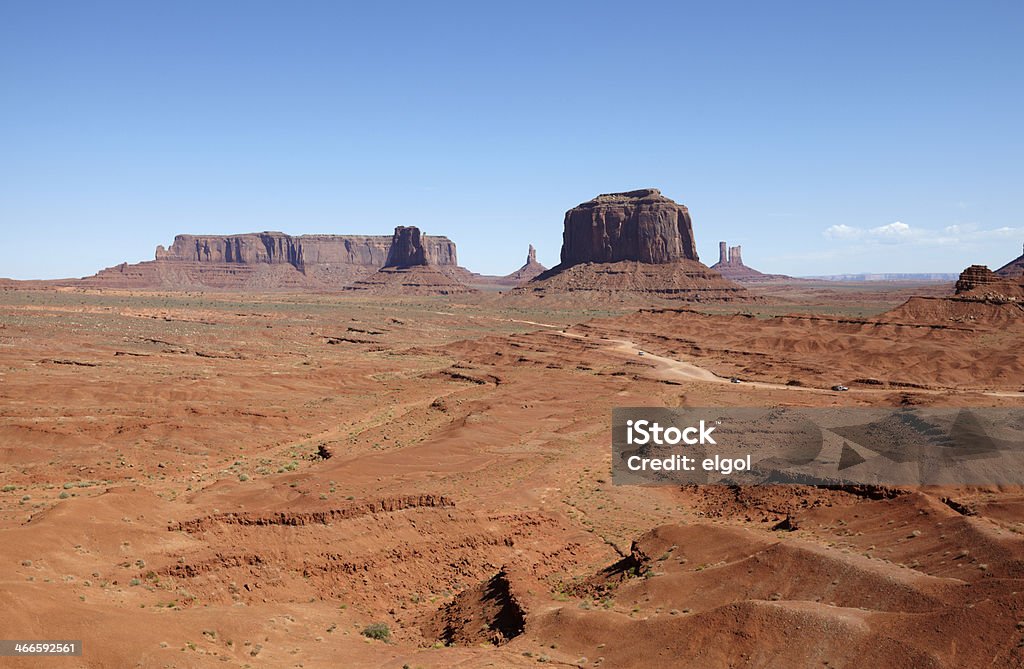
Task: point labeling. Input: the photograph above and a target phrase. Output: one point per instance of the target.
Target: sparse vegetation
(192, 453)
(379, 631)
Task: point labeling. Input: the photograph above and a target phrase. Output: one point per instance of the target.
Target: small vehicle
(639, 352)
(735, 380)
(839, 389)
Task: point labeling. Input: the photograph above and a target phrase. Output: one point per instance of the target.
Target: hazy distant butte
(276, 261)
(299, 251)
(730, 265)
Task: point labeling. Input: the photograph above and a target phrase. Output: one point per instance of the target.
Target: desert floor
(234, 480)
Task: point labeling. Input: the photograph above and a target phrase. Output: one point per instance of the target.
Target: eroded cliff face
(406, 248)
(301, 251)
(974, 277)
(410, 271)
(269, 261)
(642, 226)
(978, 281)
(634, 245)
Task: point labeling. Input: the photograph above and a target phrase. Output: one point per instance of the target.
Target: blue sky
(823, 137)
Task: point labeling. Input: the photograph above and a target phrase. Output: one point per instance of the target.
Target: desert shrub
(377, 631)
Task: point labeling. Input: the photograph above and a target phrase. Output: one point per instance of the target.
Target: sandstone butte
(641, 225)
(978, 281)
(407, 249)
(272, 261)
(269, 261)
(410, 270)
(301, 251)
(634, 242)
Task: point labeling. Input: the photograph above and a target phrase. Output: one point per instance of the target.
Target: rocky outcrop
(978, 281)
(1012, 269)
(406, 248)
(266, 247)
(531, 257)
(299, 251)
(730, 265)
(274, 261)
(974, 277)
(729, 256)
(625, 245)
(488, 282)
(641, 226)
(408, 270)
(487, 613)
(409, 280)
(686, 280)
(528, 271)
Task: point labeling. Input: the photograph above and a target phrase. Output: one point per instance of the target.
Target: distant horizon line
(938, 277)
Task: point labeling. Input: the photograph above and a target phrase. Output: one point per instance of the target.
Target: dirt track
(671, 368)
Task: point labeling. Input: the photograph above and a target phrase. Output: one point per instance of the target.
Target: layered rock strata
(979, 282)
(641, 225)
(409, 272)
(276, 261)
(634, 243)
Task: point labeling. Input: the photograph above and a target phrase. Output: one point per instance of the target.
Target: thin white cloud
(843, 232)
(899, 232)
(896, 229)
(960, 228)
(1004, 233)
(893, 233)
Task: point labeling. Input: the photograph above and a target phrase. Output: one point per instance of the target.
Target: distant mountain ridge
(940, 276)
